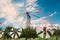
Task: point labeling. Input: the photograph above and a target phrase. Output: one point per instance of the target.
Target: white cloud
(20, 4)
(21, 19)
(40, 23)
(30, 6)
(52, 14)
(49, 15)
(31, 0)
(9, 12)
(56, 26)
(2, 15)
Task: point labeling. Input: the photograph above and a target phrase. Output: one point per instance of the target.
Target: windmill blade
(35, 16)
(1, 34)
(36, 11)
(17, 35)
(11, 34)
(50, 34)
(18, 15)
(24, 17)
(40, 32)
(14, 35)
(46, 35)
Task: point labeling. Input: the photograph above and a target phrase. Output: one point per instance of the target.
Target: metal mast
(28, 20)
(28, 25)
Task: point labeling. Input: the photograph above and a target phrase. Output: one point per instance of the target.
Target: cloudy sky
(42, 12)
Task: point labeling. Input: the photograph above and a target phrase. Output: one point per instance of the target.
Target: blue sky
(50, 9)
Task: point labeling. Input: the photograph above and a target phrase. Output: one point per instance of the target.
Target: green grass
(39, 38)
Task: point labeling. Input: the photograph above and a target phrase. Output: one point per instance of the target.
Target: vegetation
(32, 34)
(56, 34)
(6, 35)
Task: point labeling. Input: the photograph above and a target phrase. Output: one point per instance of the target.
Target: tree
(1, 32)
(6, 33)
(31, 34)
(23, 33)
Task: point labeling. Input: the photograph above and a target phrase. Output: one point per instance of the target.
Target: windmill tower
(29, 8)
(28, 20)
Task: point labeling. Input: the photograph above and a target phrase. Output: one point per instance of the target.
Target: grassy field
(39, 38)
(28, 39)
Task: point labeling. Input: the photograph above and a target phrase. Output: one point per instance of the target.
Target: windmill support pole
(44, 36)
(28, 25)
(57, 38)
(28, 20)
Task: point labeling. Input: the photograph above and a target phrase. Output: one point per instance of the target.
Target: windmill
(45, 33)
(30, 8)
(15, 33)
(28, 23)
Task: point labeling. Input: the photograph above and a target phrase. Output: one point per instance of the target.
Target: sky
(49, 7)
(42, 12)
